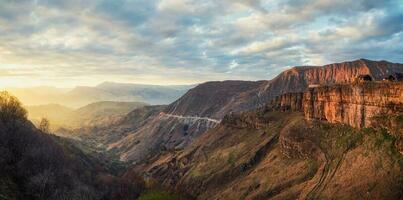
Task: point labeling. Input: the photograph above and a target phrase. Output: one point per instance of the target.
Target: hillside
(36, 165)
(56, 113)
(269, 154)
(98, 113)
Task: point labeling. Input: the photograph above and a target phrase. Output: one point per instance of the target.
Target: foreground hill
(107, 91)
(269, 154)
(35, 165)
(339, 141)
(204, 106)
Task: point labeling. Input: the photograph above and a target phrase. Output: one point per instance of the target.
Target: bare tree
(44, 125)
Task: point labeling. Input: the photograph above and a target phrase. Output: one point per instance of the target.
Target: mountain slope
(215, 99)
(278, 155)
(35, 165)
(98, 113)
(54, 112)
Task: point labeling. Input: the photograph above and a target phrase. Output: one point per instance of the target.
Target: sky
(84, 42)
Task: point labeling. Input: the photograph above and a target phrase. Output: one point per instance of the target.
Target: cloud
(189, 41)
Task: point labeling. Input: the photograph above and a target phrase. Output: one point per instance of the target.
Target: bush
(158, 195)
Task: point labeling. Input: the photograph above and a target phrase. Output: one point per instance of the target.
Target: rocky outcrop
(298, 79)
(353, 104)
(287, 102)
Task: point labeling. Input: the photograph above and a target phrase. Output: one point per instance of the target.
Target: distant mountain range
(107, 91)
(94, 114)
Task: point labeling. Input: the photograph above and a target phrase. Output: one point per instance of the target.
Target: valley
(201, 100)
(312, 132)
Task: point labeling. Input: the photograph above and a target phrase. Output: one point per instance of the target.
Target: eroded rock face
(287, 102)
(298, 79)
(354, 105)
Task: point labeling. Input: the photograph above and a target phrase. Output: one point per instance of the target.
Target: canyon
(312, 132)
(158, 133)
(304, 145)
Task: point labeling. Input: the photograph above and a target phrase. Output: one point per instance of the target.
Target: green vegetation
(383, 138)
(231, 159)
(349, 139)
(383, 141)
(158, 195)
(312, 167)
(195, 173)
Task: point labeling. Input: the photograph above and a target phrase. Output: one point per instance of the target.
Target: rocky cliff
(298, 79)
(354, 104)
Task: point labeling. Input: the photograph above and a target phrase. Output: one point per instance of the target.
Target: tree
(11, 109)
(44, 125)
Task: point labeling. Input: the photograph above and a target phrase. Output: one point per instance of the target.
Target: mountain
(56, 113)
(103, 112)
(215, 99)
(107, 91)
(152, 94)
(268, 154)
(35, 165)
(313, 132)
(204, 106)
(169, 127)
(98, 113)
(298, 79)
(39, 95)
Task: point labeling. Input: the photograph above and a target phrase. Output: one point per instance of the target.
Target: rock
(354, 105)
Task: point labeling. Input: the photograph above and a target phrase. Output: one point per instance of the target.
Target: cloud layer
(79, 42)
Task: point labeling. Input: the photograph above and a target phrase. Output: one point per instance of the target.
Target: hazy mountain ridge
(99, 113)
(107, 91)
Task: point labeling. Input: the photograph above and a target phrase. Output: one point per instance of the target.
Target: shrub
(158, 195)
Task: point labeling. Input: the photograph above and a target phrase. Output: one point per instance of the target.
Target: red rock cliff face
(287, 102)
(354, 105)
(298, 79)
